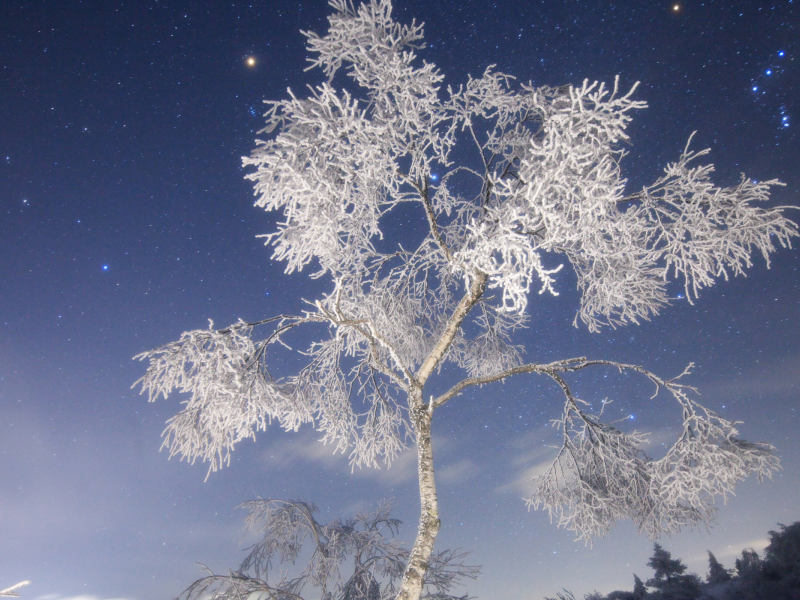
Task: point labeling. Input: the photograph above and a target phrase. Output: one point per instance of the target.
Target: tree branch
(372, 335)
(561, 366)
(426, 202)
(461, 311)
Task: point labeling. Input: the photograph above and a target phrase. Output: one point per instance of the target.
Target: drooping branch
(561, 366)
(602, 475)
(233, 586)
(232, 394)
(215, 364)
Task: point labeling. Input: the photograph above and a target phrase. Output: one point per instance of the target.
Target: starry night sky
(126, 221)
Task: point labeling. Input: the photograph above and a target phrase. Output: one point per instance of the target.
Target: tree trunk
(420, 415)
(429, 522)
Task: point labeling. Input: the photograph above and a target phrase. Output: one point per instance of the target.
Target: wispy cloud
(403, 470)
(521, 483)
(731, 550)
(532, 459)
(305, 448)
(457, 472)
(774, 380)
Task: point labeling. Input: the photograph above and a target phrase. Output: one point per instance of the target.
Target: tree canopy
(542, 189)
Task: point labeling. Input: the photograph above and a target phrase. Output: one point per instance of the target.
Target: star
(251, 62)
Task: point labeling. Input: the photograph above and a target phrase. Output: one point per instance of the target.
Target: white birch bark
(429, 521)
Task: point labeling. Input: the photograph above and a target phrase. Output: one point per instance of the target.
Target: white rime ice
(539, 187)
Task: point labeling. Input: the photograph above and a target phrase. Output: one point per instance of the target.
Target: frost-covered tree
(364, 544)
(510, 183)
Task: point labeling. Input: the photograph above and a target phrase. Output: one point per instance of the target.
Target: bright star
(251, 62)
(769, 72)
(780, 53)
(755, 88)
(105, 267)
(676, 7)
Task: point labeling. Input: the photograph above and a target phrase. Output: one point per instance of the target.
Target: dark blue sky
(126, 221)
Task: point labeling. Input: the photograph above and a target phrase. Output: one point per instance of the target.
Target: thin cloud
(731, 550)
(764, 379)
(458, 472)
(521, 483)
(305, 449)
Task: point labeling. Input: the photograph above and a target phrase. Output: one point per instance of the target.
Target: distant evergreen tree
(669, 580)
(639, 589)
(749, 565)
(782, 556)
(776, 577)
(749, 578)
(716, 572)
(781, 564)
(664, 565)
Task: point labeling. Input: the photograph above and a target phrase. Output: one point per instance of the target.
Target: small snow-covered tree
(364, 543)
(543, 189)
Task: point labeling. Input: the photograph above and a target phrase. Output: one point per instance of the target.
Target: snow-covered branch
(232, 394)
(602, 475)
